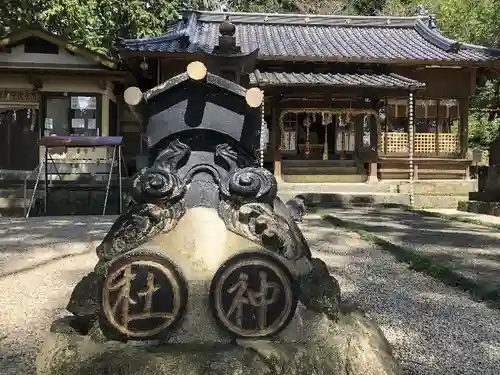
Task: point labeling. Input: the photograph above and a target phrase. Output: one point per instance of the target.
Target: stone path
(25, 244)
(449, 213)
(434, 329)
(41, 260)
(469, 250)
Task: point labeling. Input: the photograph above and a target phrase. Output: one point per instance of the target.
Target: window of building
(72, 115)
(38, 45)
(290, 123)
(435, 127)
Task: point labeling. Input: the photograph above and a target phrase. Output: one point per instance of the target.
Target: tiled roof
(309, 38)
(390, 81)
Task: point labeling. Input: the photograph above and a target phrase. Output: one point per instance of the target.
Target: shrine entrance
(323, 134)
(322, 145)
(18, 138)
(19, 130)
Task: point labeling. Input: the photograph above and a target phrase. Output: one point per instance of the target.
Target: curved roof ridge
(209, 12)
(304, 19)
(153, 39)
(489, 50)
(434, 36)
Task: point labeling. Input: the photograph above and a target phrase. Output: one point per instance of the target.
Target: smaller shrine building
(347, 99)
(50, 87)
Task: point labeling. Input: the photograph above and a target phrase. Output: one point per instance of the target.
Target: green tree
(93, 23)
(476, 21)
(365, 7)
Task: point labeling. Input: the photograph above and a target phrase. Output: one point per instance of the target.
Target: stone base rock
(351, 346)
(486, 207)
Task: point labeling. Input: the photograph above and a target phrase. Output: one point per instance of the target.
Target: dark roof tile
(302, 37)
(390, 81)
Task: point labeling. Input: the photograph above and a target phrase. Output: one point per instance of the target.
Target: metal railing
(38, 169)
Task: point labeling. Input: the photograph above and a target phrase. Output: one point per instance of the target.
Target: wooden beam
(276, 136)
(464, 126)
(351, 91)
(323, 104)
(372, 123)
(473, 77)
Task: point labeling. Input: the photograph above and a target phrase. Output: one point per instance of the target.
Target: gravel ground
(472, 251)
(41, 260)
(434, 329)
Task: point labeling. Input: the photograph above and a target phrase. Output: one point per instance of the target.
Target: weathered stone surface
(480, 207)
(351, 346)
(494, 152)
(493, 180)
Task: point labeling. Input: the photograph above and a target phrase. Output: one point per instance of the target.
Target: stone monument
(487, 199)
(207, 273)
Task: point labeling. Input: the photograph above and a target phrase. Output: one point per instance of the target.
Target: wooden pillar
(438, 122)
(411, 145)
(373, 126)
(464, 126)
(262, 130)
(276, 138)
(358, 136)
(374, 135)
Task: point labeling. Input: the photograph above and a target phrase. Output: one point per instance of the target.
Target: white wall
(17, 56)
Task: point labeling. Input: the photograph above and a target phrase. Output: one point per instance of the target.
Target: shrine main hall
(347, 99)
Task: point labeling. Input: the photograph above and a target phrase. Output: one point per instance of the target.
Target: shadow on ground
(435, 329)
(469, 250)
(28, 243)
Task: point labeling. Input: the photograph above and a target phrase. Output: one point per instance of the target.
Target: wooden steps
(322, 171)
(426, 168)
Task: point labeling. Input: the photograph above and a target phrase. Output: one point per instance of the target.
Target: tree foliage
(97, 24)
(93, 23)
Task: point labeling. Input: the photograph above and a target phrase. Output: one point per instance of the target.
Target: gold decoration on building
(18, 96)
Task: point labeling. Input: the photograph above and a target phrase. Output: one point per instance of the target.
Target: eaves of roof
(357, 80)
(17, 38)
(313, 38)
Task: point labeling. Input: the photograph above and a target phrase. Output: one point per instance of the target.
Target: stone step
(439, 187)
(438, 201)
(322, 170)
(318, 163)
(6, 174)
(323, 178)
(12, 202)
(349, 199)
(347, 187)
(479, 207)
(372, 199)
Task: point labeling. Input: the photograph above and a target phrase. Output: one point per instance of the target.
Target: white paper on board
(265, 135)
(91, 123)
(49, 123)
(78, 123)
(84, 103)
